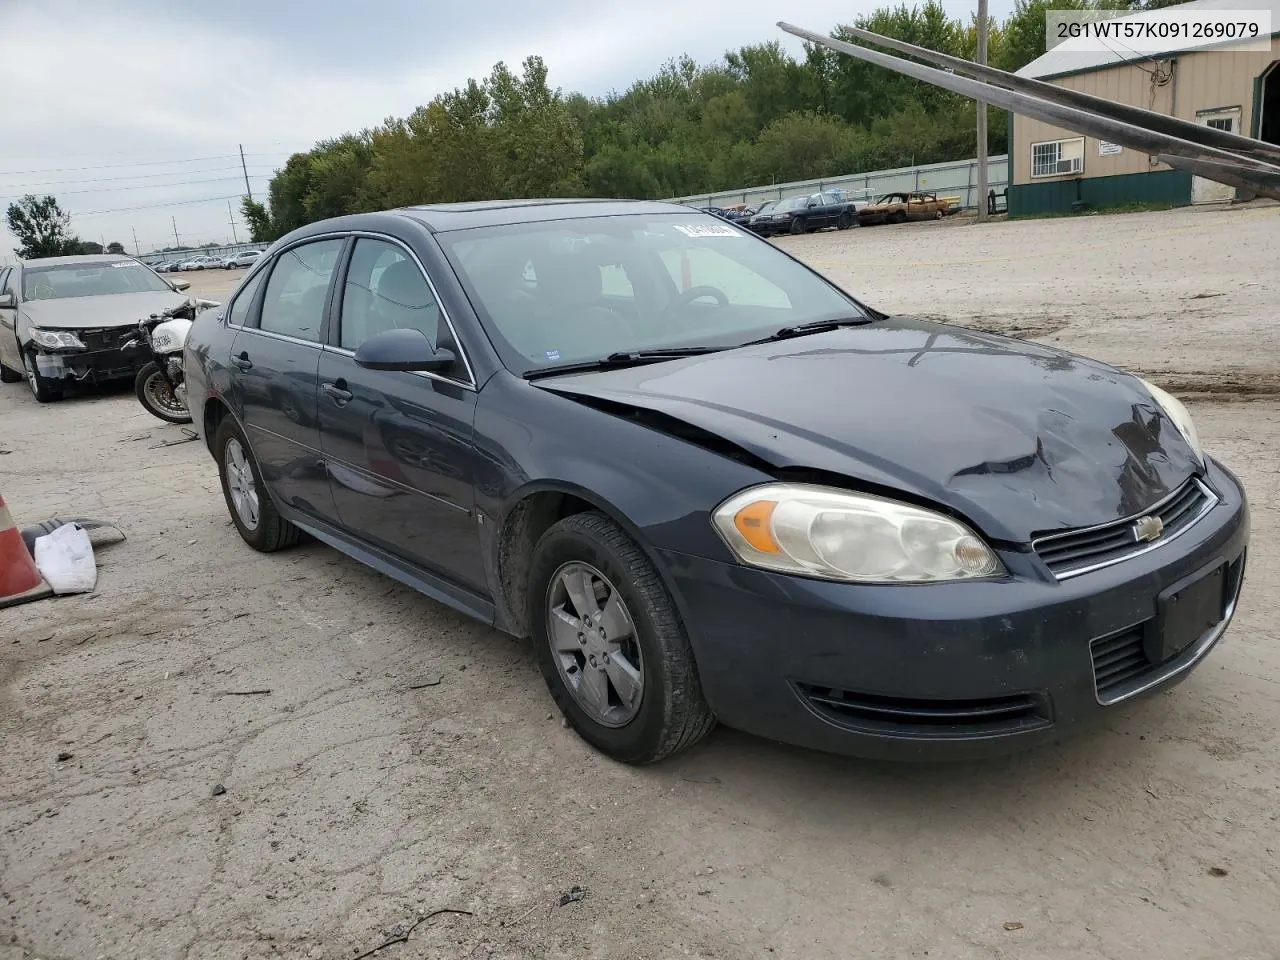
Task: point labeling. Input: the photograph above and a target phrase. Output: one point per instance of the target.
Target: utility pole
(137, 251)
(232, 221)
(247, 190)
(982, 117)
(176, 241)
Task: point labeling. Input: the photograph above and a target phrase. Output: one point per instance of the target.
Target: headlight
(56, 339)
(1176, 412)
(836, 535)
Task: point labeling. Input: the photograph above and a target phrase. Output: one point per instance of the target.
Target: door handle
(338, 390)
(242, 361)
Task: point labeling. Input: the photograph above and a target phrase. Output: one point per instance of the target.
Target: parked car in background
(200, 263)
(67, 319)
(804, 214)
(759, 222)
(901, 207)
(661, 448)
(246, 258)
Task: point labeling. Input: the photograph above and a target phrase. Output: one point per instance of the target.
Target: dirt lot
(355, 804)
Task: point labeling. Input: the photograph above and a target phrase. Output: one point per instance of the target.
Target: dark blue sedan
(711, 485)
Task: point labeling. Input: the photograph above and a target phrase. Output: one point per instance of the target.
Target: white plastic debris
(65, 559)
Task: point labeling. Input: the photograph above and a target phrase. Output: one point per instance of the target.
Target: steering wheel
(697, 293)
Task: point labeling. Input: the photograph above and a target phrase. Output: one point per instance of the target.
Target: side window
(294, 302)
(703, 267)
(385, 290)
(240, 307)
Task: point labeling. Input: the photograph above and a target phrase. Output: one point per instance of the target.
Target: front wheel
(797, 226)
(897, 217)
(154, 393)
(42, 388)
(610, 644)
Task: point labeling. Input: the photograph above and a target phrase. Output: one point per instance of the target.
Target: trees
(755, 116)
(40, 226)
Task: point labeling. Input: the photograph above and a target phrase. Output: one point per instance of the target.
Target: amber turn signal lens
(752, 521)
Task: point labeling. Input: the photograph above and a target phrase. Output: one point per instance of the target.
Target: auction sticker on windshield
(707, 230)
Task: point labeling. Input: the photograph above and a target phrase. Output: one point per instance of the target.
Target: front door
(1210, 191)
(279, 361)
(398, 445)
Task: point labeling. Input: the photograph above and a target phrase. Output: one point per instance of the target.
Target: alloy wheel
(240, 482)
(594, 643)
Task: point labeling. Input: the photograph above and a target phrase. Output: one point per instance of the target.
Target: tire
(11, 376)
(672, 714)
(270, 532)
(938, 215)
(41, 387)
(797, 225)
(845, 221)
(149, 385)
(897, 217)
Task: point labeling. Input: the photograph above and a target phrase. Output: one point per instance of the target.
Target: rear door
(277, 355)
(398, 445)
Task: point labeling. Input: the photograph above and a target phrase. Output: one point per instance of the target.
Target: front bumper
(104, 359)
(945, 671)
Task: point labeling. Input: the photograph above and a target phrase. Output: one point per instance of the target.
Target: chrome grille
(1080, 551)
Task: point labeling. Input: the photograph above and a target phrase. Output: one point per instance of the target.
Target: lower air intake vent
(937, 718)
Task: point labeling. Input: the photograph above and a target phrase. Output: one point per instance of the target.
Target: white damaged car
(65, 320)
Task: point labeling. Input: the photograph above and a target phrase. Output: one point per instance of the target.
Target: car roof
(444, 217)
(70, 261)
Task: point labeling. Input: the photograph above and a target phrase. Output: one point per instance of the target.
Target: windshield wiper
(623, 358)
(816, 326)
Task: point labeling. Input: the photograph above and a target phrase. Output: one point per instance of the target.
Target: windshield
(795, 203)
(568, 291)
(89, 280)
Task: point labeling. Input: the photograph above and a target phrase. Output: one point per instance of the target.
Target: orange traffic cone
(20, 581)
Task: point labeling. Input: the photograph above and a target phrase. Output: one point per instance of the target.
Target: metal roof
(1060, 60)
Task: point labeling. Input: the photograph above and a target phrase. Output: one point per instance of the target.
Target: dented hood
(1017, 437)
(89, 313)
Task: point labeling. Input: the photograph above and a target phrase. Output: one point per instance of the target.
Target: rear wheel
(154, 393)
(610, 644)
(845, 221)
(252, 511)
(42, 388)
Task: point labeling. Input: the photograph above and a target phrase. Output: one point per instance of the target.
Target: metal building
(1054, 170)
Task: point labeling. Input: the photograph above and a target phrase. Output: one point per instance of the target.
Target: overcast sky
(119, 108)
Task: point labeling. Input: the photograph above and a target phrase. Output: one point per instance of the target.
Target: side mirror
(8, 300)
(180, 285)
(402, 349)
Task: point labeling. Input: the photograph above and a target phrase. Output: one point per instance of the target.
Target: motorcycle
(159, 384)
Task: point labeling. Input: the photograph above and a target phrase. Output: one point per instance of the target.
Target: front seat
(403, 300)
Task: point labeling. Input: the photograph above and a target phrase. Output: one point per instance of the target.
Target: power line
(152, 206)
(130, 176)
(138, 163)
(148, 186)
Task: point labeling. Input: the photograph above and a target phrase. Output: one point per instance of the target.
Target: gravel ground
(190, 817)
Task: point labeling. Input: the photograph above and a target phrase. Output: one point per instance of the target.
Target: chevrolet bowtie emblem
(1148, 529)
